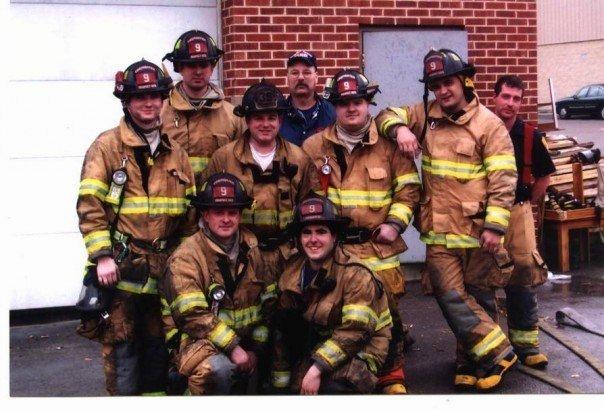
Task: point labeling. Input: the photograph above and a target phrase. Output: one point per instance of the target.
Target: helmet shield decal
(266, 98)
(145, 77)
(311, 210)
(347, 85)
(197, 47)
(223, 191)
(434, 65)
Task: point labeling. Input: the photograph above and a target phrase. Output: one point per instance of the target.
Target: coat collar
(180, 103)
(370, 138)
(436, 112)
(133, 140)
(243, 152)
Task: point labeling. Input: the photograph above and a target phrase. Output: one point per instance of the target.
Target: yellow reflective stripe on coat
(95, 187)
(192, 190)
(153, 206)
(280, 379)
(524, 337)
(371, 360)
(170, 334)
(97, 240)
(240, 318)
(450, 240)
(500, 163)
(488, 343)
(384, 320)
(221, 335)
(260, 334)
(354, 197)
(331, 353)
(401, 211)
(165, 307)
(266, 217)
(406, 179)
(148, 288)
(187, 301)
(198, 163)
(459, 170)
(269, 293)
(498, 215)
(376, 264)
(359, 313)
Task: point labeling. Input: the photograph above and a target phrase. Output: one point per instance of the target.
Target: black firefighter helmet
(259, 98)
(194, 46)
(349, 84)
(444, 63)
(222, 190)
(140, 78)
(317, 210)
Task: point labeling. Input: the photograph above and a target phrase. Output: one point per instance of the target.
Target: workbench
(563, 222)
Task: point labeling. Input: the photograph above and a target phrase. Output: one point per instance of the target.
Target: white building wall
(64, 55)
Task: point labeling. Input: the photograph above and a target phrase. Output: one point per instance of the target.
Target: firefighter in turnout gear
(133, 211)
(221, 293)
(276, 173)
(333, 326)
(469, 175)
(534, 166)
(377, 189)
(196, 113)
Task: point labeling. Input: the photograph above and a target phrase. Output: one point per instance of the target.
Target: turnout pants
(135, 358)
(210, 371)
(529, 271)
(462, 284)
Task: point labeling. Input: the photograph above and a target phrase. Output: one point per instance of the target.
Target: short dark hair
(512, 81)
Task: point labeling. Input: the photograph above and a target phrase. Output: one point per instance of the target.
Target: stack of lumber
(564, 150)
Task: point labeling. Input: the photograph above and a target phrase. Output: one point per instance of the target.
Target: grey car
(589, 100)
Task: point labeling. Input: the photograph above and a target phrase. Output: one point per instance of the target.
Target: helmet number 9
(311, 208)
(346, 85)
(146, 78)
(197, 47)
(223, 191)
(432, 65)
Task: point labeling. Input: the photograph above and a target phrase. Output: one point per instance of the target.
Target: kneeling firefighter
(221, 292)
(333, 325)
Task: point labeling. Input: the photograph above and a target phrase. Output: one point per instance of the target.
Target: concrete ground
(50, 360)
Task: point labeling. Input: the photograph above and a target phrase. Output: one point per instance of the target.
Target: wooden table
(564, 221)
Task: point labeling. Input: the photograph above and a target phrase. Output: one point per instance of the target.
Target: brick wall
(259, 35)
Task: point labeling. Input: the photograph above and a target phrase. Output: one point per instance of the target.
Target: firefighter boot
(536, 361)
(465, 377)
(494, 375)
(394, 388)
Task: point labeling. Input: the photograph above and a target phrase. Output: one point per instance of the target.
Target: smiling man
(220, 293)
(333, 324)
(469, 175)
(534, 167)
(362, 175)
(275, 172)
(133, 211)
(309, 113)
(196, 113)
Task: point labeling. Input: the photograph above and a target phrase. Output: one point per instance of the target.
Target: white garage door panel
(50, 206)
(74, 114)
(89, 42)
(46, 270)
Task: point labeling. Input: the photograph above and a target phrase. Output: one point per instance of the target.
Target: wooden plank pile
(571, 186)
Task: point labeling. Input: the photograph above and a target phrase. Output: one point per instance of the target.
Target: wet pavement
(50, 360)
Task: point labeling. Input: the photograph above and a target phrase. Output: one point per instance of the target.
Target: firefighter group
(254, 249)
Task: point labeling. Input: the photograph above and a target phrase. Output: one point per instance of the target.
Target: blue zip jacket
(296, 129)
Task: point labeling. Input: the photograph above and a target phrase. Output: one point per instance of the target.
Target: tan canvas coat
(351, 320)
(242, 318)
(468, 169)
(276, 190)
(160, 213)
(378, 186)
(201, 131)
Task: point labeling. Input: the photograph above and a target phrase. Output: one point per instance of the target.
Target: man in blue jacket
(309, 113)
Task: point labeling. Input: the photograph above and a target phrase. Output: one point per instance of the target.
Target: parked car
(589, 100)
